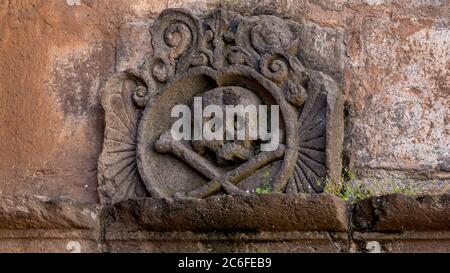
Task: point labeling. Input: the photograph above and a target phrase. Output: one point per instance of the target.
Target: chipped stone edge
(95, 233)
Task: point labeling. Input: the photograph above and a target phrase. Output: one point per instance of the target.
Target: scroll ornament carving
(224, 54)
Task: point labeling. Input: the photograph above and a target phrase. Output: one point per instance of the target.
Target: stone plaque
(224, 59)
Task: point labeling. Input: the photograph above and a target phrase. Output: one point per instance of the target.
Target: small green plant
(348, 175)
(347, 188)
(266, 185)
(404, 189)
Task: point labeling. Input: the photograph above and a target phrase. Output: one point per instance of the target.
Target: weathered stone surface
(393, 223)
(34, 212)
(41, 224)
(399, 113)
(198, 7)
(135, 43)
(267, 212)
(254, 242)
(398, 213)
(323, 49)
(48, 241)
(405, 242)
(259, 223)
(255, 223)
(399, 223)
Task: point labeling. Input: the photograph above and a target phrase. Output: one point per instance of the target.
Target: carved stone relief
(227, 59)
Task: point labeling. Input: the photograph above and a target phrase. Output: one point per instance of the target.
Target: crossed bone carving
(218, 178)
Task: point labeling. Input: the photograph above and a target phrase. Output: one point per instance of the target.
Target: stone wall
(391, 58)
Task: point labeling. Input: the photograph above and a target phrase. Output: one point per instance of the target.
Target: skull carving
(230, 151)
(227, 59)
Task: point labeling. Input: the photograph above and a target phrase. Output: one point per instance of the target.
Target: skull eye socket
(215, 126)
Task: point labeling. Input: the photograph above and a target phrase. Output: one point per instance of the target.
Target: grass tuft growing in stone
(348, 189)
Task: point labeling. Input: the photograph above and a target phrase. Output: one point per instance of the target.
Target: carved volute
(224, 58)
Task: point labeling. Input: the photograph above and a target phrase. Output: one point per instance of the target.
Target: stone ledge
(255, 223)
(40, 224)
(250, 213)
(398, 213)
(35, 212)
(410, 242)
(88, 234)
(220, 236)
(226, 242)
(27, 244)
